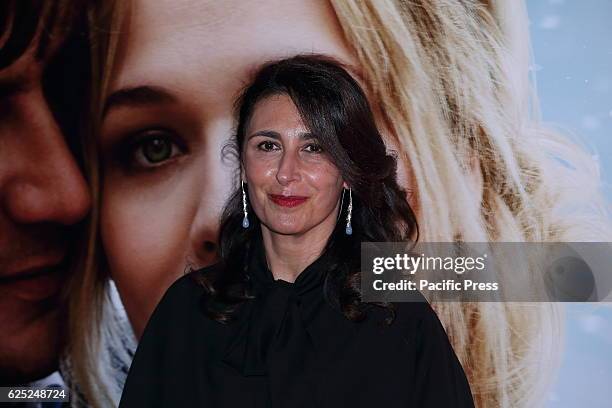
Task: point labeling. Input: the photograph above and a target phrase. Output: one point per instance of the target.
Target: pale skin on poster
(157, 218)
(191, 58)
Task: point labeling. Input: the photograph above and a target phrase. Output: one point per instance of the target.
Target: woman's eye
(267, 146)
(153, 150)
(313, 148)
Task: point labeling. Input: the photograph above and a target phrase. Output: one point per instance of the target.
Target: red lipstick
(287, 201)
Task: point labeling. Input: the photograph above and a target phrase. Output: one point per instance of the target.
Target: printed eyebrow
(137, 96)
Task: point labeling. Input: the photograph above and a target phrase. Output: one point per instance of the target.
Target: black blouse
(289, 347)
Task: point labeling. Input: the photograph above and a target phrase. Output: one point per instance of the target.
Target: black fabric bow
(273, 337)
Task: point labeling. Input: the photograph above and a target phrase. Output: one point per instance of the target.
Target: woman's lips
(287, 201)
(37, 283)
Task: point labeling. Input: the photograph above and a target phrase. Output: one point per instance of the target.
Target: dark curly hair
(335, 109)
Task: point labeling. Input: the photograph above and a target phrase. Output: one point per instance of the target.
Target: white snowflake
(535, 67)
(592, 323)
(550, 22)
(590, 122)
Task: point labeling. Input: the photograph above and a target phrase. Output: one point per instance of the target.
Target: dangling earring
(245, 220)
(341, 204)
(349, 229)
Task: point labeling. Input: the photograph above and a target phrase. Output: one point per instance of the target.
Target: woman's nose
(206, 247)
(288, 169)
(46, 184)
(213, 185)
(205, 230)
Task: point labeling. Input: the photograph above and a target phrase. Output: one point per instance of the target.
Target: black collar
(278, 320)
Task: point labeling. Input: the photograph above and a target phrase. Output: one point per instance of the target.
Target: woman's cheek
(261, 179)
(145, 243)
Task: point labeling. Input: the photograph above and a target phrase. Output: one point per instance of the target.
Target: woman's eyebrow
(266, 133)
(137, 96)
(307, 136)
(275, 135)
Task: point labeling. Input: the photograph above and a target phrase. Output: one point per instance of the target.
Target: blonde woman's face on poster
(180, 66)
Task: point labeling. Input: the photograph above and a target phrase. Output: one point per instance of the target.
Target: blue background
(572, 46)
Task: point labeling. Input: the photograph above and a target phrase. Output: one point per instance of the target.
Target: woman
(449, 88)
(279, 322)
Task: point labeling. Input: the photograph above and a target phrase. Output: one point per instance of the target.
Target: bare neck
(289, 255)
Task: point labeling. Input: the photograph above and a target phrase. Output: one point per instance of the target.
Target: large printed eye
(151, 149)
(156, 149)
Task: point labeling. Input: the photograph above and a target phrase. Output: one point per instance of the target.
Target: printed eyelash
(126, 150)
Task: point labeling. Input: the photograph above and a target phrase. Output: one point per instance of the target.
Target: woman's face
(293, 186)
(181, 63)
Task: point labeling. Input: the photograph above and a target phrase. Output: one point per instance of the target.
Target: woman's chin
(286, 229)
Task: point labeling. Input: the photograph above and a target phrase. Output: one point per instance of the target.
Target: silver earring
(349, 229)
(245, 220)
(341, 204)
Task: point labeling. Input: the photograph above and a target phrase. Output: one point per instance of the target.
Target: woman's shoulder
(194, 282)
(418, 308)
(410, 320)
(417, 319)
(177, 337)
(185, 294)
(179, 313)
(436, 366)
